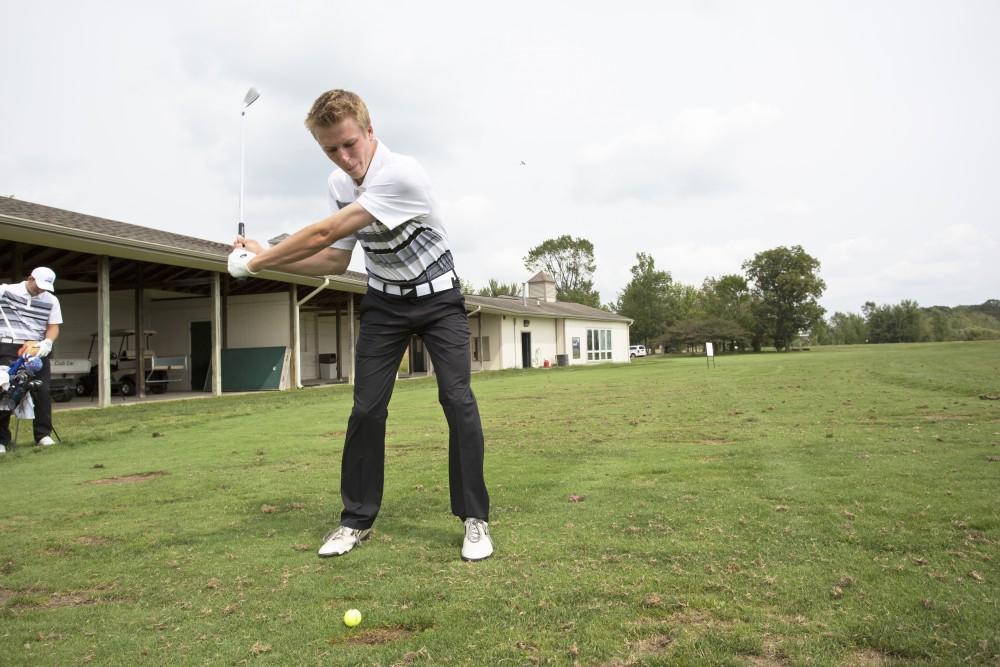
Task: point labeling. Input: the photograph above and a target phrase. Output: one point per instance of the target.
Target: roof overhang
(39, 232)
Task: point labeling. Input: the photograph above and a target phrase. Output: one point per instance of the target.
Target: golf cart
(66, 375)
(124, 363)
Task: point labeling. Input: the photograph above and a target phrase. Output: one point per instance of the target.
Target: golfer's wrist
(251, 269)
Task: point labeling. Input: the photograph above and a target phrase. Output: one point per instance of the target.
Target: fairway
(832, 507)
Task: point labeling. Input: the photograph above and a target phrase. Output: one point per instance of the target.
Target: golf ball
(352, 617)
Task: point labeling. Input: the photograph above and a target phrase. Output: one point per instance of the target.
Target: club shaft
(243, 116)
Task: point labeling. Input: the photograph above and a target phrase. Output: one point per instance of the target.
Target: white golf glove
(44, 347)
(238, 260)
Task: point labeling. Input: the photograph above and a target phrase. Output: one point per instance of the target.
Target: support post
(217, 334)
(296, 374)
(103, 388)
(140, 339)
(340, 358)
(351, 341)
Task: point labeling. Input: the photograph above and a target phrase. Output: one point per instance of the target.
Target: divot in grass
(129, 479)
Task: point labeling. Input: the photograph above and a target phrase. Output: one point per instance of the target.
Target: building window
(598, 344)
(576, 347)
(485, 349)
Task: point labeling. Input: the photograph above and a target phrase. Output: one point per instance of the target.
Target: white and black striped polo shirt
(27, 317)
(407, 244)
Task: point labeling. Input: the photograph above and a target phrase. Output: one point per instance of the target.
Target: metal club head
(250, 97)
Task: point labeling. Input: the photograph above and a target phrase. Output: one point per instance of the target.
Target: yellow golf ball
(352, 617)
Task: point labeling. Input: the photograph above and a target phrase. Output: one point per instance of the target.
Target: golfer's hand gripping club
(239, 263)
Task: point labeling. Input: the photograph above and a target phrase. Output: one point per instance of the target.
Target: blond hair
(334, 106)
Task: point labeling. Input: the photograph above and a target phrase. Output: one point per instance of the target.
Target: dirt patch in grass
(766, 661)
(53, 601)
(129, 479)
(654, 644)
(697, 621)
(866, 658)
(92, 540)
(375, 636)
(639, 650)
(75, 599)
(772, 654)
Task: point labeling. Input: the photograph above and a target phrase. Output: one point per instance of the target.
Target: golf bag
(19, 380)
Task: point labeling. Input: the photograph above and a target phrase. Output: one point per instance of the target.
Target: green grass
(831, 507)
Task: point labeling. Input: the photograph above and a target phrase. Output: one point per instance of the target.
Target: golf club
(248, 99)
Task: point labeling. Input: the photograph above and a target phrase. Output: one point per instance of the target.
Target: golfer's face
(349, 146)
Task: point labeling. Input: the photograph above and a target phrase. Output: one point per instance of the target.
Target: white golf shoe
(342, 540)
(477, 544)
(47, 441)
(3, 449)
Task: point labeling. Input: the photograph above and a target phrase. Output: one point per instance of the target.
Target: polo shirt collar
(382, 154)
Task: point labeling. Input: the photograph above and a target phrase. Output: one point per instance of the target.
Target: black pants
(42, 424)
(387, 323)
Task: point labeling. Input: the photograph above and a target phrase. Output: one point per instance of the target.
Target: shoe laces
(474, 529)
(341, 532)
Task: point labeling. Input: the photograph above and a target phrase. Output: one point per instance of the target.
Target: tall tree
(848, 329)
(728, 298)
(787, 286)
(497, 288)
(646, 300)
(570, 262)
(901, 323)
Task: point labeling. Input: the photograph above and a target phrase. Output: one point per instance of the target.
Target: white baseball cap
(45, 278)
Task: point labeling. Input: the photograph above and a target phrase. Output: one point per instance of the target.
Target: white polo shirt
(407, 244)
(27, 317)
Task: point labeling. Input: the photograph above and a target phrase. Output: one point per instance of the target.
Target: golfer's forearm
(52, 332)
(324, 263)
(300, 246)
(315, 238)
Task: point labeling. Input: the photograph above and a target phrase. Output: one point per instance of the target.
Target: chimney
(542, 286)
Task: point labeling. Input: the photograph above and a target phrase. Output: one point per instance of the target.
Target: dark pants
(387, 323)
(42, 424)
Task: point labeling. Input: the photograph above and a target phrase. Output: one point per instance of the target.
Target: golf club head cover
(238, 261)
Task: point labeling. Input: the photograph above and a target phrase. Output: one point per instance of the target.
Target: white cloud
(689, 155)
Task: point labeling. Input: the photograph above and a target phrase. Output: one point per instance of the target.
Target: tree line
(907, 322)
(773, 302)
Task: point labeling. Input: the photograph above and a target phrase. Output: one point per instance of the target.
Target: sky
(699, 132)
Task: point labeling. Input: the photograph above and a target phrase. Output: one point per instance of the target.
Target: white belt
(439, 284)
(9, 341)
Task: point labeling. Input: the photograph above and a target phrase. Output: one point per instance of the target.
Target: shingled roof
(58, 228)
(515, 305)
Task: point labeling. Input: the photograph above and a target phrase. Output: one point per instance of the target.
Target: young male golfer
(383, 201)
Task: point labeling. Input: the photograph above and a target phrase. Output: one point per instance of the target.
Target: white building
(535, 329)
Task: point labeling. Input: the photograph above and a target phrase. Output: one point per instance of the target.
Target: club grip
(241, 229)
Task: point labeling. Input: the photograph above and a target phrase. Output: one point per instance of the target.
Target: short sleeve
(55, 315)
(398, 194)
